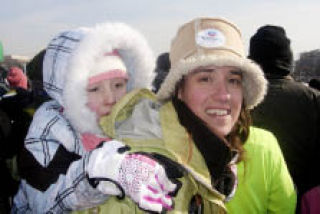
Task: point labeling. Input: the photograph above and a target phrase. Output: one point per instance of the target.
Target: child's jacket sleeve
(52, 167)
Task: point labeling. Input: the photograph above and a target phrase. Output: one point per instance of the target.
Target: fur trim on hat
(254, 83)
(212, 41)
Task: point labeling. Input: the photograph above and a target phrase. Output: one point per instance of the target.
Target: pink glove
(91, 141)
(115, 171)
(17, 78)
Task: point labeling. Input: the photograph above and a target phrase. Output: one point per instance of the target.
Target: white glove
(117, 172)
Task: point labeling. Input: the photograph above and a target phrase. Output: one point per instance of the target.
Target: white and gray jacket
(52, 163)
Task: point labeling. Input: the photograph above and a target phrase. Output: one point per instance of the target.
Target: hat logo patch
(210, 38)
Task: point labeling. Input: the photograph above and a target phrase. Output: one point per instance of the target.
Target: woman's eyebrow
(204, 70)
(236, 72)
(209, 70)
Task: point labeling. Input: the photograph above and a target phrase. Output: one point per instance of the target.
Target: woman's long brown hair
(240, 132)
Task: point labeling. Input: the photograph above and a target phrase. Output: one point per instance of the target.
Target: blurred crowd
(290, 110)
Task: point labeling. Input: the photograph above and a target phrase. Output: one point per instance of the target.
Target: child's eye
(93, 89)
(119, 85)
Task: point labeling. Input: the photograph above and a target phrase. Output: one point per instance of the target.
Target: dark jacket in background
(291, 111)
(315, 83)
(16, 111)
(14, 124)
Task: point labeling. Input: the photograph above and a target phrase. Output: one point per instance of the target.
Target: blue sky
(26, 26)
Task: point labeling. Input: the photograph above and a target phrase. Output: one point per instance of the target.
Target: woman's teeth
(218, 112)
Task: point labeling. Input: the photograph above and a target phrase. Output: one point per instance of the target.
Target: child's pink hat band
(117, 73)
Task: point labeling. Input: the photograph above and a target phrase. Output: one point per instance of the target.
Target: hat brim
(253, 80)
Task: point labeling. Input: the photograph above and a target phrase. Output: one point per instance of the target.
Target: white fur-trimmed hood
(70, 56)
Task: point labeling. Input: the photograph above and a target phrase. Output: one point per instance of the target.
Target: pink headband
(108, 75)
(108, 67)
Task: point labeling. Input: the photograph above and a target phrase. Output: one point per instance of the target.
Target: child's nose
(109, 97)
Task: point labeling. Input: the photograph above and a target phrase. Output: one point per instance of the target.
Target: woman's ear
(179, 91)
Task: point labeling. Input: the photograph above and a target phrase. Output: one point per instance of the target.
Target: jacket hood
(71, 55)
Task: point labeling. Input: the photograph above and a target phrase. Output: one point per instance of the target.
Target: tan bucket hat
(212, 41)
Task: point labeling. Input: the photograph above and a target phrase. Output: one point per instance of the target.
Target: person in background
(15, 120)
(310, 201)
(19, 100)
(4, 86)
(290, 110)
(34, 74)
(1, 52)
(67, 163)
(16, 78)
(9, 185)
(315, 83)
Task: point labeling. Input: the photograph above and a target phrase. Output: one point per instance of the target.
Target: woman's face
(215, 95)
(104, 94)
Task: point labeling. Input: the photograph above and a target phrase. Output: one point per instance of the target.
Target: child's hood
(70, 56)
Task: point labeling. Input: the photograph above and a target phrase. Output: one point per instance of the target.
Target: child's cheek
(93, 107)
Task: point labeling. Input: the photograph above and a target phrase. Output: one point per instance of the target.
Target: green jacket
(264, 183)
(147, 126)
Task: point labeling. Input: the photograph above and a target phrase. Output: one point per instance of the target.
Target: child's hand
(115, 171)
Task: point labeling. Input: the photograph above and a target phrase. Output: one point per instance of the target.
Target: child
(86, 71)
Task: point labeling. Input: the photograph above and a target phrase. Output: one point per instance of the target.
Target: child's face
(104, 94)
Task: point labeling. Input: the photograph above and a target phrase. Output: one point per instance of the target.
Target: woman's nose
(221, 91)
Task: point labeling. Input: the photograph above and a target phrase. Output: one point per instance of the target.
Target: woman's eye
(204, 79)
(235, 81)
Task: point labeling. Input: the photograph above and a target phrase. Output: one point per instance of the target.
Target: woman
(200, 119)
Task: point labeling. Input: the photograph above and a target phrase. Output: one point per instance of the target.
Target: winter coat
(291, 111)
(8, 184)
(14, 124)
(264, 183)
(310, 201)
(52, 164)
(146, 125)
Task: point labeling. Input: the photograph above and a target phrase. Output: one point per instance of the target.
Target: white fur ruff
(72, 68)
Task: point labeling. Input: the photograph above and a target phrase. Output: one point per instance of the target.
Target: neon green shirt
(264, 183)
